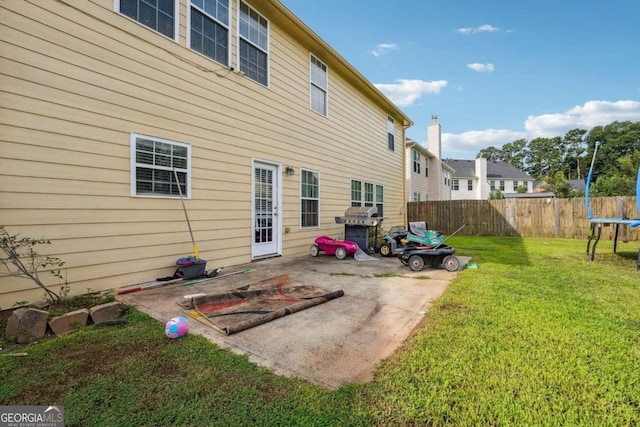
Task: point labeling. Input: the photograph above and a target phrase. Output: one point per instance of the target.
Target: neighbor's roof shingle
(467, 169)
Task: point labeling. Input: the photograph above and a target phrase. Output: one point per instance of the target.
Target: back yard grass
(538, 335)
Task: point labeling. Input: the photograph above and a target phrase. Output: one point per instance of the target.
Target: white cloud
(586, 116)
(481, 68)
(592, 113)
(404, 92)
(486, 28)
(383, 48)
(468, 144)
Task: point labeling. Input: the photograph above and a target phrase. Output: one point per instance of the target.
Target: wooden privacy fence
(548, 217)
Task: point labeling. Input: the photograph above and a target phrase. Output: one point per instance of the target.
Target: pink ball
(176, 327)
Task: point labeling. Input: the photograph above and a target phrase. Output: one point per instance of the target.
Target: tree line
(558, 160)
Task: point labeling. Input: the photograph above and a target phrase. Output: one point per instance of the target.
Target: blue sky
(494, 70)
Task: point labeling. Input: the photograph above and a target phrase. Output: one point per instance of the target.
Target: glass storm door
(265, 210)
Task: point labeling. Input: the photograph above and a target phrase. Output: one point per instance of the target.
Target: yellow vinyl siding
(76, 79)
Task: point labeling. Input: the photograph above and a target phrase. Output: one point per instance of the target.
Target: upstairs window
(159, 15)
(153, 161)
(456, 185)
(209, 35)
(416, 161)
(391, 133)
(253, 44)
(501, 185)
(515, 185)
(492, 185)
(470, 184)
(319, 85)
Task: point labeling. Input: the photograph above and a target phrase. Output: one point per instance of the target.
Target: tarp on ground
(239, 309)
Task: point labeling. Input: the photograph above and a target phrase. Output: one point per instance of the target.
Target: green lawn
(538, 335)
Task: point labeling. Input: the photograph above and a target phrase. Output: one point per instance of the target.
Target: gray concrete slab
(334, 343)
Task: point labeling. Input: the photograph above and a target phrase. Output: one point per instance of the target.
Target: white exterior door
(266, 218)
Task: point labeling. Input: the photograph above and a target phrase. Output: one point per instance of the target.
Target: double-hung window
(356, 193)
(209, 29)
(470, 184)
(501, 185)
(372, 195)
(319, 85)
(309, 199)
(155, 163)
(159, 15)
(391, 133)
(253, 42)
(456, 185)
(416, 161)
(380, 199)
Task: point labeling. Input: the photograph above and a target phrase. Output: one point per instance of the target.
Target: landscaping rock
(26, 325)
(69, 322)
(104, 312)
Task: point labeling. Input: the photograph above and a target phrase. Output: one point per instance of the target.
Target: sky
(493, 71)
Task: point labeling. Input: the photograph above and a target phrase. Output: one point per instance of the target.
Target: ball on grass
(176, 327)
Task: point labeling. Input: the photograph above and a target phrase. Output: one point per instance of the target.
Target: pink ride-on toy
(331, 246)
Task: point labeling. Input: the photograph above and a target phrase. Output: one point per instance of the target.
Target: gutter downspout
(407, 177)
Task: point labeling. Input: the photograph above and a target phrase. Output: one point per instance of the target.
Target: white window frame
(135, 165)
(356, 201)
(391, 134)
(502, 185)
(455, 185)
(190, 7)
(265, 48)
(416, 161)
(176, 19)
(304, 198)
(492, 185)
(469, 185)
(318, 85)
(379, 199)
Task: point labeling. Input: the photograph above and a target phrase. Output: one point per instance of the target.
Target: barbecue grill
(358, 221)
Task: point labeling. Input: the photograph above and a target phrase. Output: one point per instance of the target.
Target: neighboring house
(271, 134)
(428, 177)
(476, 179)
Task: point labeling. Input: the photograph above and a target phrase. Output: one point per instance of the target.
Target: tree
(22, 260)
(492, 154)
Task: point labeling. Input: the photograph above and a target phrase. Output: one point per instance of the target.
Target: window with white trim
(356, 193)
(391, 133)
(416, 161)
(456, 185)
(319, 83)
(159, 15)
(253, 44)
(470, 185)
(515, 185)
(373, 195)
(368, 194)
(492, 185)
(501, 185)
(380, 199)
(153, 161)
(309, 198)
(416, 197)
(209, 29)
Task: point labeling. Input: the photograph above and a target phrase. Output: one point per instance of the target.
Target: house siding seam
(78, 79)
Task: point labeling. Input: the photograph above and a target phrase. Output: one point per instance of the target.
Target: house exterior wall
(78, 79)
(417, 181)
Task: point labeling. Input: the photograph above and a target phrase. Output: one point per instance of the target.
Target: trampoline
(596, 224)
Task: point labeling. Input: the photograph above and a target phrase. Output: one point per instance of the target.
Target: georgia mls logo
(31, 416)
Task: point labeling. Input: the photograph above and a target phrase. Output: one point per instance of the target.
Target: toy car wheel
(314, 251)
(385, 249)
(341, 252)
(451, 263)
(416, 263)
